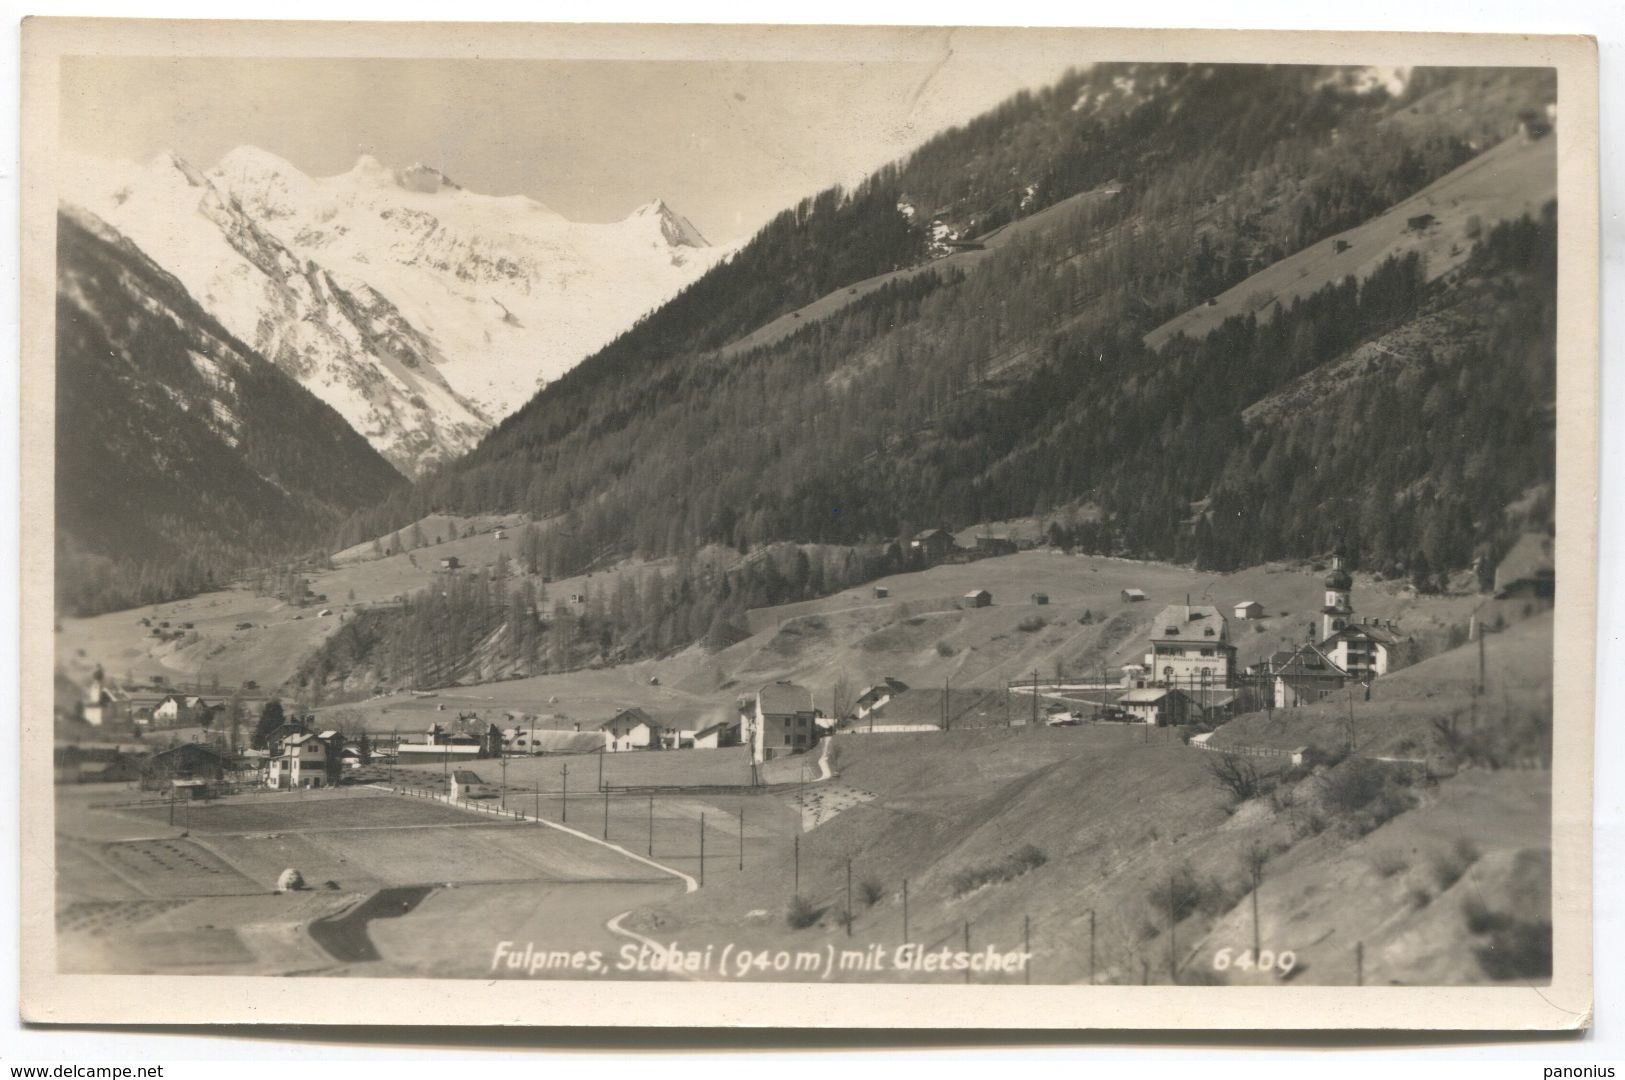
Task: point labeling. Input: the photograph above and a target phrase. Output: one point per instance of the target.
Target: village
(185, 745)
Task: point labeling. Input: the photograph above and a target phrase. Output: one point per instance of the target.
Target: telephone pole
(564, 796)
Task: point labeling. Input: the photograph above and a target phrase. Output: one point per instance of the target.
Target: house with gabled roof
(1190, 648)
(1309, 675)
(783, 721)
(631, 729)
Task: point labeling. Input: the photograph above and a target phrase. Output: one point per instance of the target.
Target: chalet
(1307, 676)
(1249, 609)
(188, 761)
(932, 544)
(1367, 648)
(466, 784)
(782, 721)
(717, 735)
(631, 729)
(995, 545)
(878, 695)
(1040, 598)
(181, 710)
(1156, 706)
(1133, 596)
(881, 592)
(282, 733)
(303, 763)
(977, 598)
(1190, 647)
(1528, 571)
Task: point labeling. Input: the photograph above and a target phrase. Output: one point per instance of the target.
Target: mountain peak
(677, 230)
(169, 160)
(251, 160)
(425, 178)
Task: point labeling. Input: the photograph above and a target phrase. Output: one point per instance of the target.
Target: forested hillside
(181, 456)
(1019, 383)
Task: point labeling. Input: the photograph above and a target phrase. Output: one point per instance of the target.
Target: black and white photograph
(960, 511)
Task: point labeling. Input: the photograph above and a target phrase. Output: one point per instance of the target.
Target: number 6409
(1266, 960)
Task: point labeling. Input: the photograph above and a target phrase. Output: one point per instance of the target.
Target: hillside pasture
(1513, 178)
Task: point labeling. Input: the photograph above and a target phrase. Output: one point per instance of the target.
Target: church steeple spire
(1338, 612)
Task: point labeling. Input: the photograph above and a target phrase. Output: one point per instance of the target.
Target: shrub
(1008, 868)
(1480, 919)
(870, 892)
(1518, 949)
(1367, 791)
(802, 913)
(1236, 775)
(1418, 897)
(1183, 893)
(944, 649)
(1032, 624)
(1448, 867)
(1389, 862)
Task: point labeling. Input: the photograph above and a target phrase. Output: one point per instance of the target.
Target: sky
(726, 143)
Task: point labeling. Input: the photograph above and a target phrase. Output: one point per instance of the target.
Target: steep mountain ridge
(421, 311)
(835, 382)
(181, 453)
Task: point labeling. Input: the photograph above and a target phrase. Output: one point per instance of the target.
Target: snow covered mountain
(422, 312)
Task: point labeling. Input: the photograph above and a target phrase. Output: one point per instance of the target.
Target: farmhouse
(717, 735)
(932, 544)
(181, 710)
(1157, 706)
(995, 545)
(1249, 609)
(877, 695)
(303, 763)
(783, 721)
(1306, 677)
(1190, 647)
(978, 598)
(189, 761)
(466, 784)
(630, 729)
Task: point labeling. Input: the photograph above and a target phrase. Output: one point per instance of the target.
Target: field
(1514, 178)
(282, 634)
(136, 893)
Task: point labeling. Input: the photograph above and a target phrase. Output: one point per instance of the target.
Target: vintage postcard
(807, 526)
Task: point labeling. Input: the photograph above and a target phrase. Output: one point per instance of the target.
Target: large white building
(1190, 648)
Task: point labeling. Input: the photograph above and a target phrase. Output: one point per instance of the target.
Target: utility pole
(538, 798)
(849, 898)
(1035, 698)
(606, 813)
(1258, 876)
(741, 839)
(600, 770)
(1027, 949)
(1173, 948)
(564, 796)
(797, 849)
(504, 799)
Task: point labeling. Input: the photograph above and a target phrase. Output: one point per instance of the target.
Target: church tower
(1337, 612)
